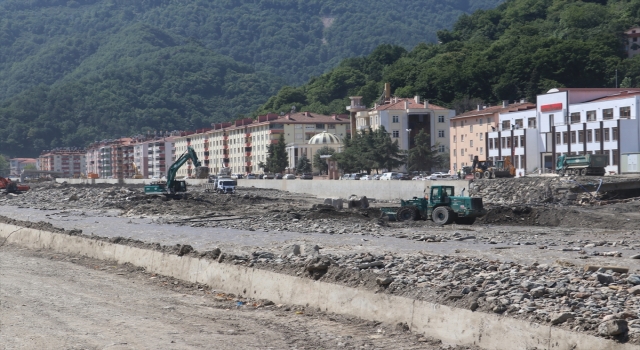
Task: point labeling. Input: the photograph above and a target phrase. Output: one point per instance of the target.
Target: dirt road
(53, 301)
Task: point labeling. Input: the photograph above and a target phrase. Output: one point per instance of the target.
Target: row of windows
(594, 135)
(463, 150)
(494, 143)
(396, 133)
(480, 122)
(396, 119)
(462, 137)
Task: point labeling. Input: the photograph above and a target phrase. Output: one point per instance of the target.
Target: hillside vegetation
(72, 71)
(520, 49)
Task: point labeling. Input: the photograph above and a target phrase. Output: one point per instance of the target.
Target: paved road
(53, 301)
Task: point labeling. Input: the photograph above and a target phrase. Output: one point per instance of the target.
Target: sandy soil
(55, 301)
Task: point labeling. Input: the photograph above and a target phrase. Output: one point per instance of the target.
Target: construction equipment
(588, 164)
(221, 183)
(137, 172)
(173, 188)
(483, 169)
(11, 186)
(441, 206)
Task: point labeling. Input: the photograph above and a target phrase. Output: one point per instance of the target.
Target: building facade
(404, 118)
(70, 162)
(308, 149)
(570, 121)
(631, 45)
(243, 144)
(468, 131)
(16, 165)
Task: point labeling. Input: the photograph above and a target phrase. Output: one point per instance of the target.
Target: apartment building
(16, 165)
(68, 161)
(404, 118)
(468, 131)
(243, 144)
(569, 121)
(111, 159)
(154, 156)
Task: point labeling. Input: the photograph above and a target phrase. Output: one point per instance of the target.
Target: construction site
(547, 262)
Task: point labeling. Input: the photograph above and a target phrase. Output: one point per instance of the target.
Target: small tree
(423, 156)
(304, 165)
(318, 162)
(4, 166)
(277, 158)
(30, 167)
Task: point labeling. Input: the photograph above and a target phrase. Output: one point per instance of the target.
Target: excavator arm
(190, 154)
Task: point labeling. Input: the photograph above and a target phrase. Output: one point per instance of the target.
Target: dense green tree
(304, 165)
(385, 152)
(4, 166)
(423, 156)
(277, 157)
(318, 162)
(30, 167)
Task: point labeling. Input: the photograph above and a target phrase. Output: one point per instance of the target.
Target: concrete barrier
(451, 325)
(383, 190)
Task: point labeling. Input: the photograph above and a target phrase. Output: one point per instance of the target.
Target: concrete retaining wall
(384, 190)
(451, 325)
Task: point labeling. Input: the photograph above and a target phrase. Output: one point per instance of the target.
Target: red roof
(497, 109)
(400, 104)
(622, 94)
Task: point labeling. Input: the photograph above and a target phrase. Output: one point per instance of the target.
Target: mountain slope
(517, 50)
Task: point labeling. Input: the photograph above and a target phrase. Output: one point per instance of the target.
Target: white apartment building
(154, 157)
(403, 118)
(69, 161)
(243, 144)
(570, 121)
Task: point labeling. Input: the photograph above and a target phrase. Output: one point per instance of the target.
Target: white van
(388, 176)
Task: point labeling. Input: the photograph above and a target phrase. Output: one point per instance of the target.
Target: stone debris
(612, 327)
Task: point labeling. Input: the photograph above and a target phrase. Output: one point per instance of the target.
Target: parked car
(345, 177)
(237, 176)
(355, 176)
(251, 176)
(376, 177)
(366, 177)
(269, 176)
(439, 176)
(388, 176)
(261, 176)
(306, 177)
(289, 177)
(278, 176)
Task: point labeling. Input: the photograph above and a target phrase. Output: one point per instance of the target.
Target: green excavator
(173, 188)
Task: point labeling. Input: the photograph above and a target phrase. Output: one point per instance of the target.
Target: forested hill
(517, 50)
(73, 71)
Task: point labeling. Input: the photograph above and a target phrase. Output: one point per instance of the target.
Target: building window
(481, 136)
(589, 136)
(481, 150)
(396, 133)
(455, 152)
(440, 133)
(565, 137)
(461, 138)
(607, 113)
(508, 142)
(480, 121)
(573, 137)
(575, 118)
(532, 123)
(614, 133)
(625, 112)
(490, 143)
(396, 119)
(606, 134)
(519, 124)
(558, 138)
(471, 128)
(581, 136)
(455, 139)
(521, 140)
(591, 116)
(332, 126)
(441, 148)
(615, 157)
(462, 152)
(506, 125)
(471, 143)
(597, 135)
(440, 119)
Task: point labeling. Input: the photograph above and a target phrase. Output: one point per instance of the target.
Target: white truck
(221, 183)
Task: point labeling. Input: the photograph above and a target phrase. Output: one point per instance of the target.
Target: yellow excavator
(137, 175)
(486, 170)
